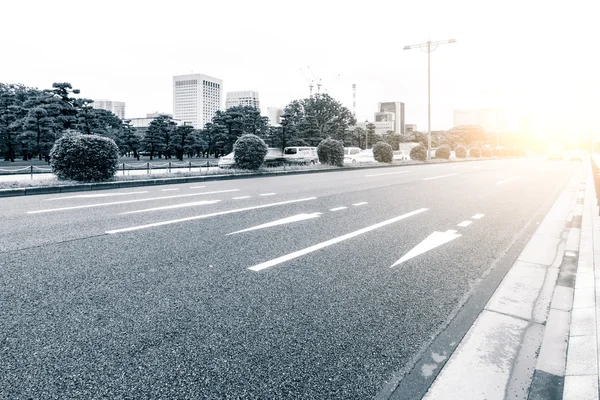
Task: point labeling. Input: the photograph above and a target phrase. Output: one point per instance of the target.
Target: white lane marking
(465, 224)
(91, 196)
(431, 242)
(477, 167)
(333, 241)
(477, 216)
(288, 220)
(360, 204)
(267, 194)
(175, 221)
(130, 201)
(507, 180)
(241, 197)
(197, 187)
(570, 254)
(338, 209)
(387, 173)
(195, 203)
(168, 190)
(437, 177)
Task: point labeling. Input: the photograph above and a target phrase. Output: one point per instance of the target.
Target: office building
(410, 128)
(381, 127)
(243, 98)
(141, 124)
(490, 119)
(274, 114)
(115, 107)
(391, 112)
(196, 98)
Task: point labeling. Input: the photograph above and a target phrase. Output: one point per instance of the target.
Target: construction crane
(316, 79)
(310, 82)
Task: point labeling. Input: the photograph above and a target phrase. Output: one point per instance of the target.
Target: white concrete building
(274, 114)
(391, 111)
(381, 127)
(490, 119)
(242, 98)
(115, 107)
(196, 98)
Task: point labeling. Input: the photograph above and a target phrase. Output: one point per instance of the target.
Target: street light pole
(428, 47)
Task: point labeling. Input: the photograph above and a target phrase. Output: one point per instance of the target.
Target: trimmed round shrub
(443, 152)
(249, 152)
(486, 152)
(475, 152)
(331, 152)
(461, 152)
(84, 158)
(383, 153)
(418, 153)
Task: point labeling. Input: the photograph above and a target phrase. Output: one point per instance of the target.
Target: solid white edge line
(130, 201)
(437, 177)
(182, 205)
(387, 173)
(507, 180)
(175, 221)
(93, 196)
(330, 242)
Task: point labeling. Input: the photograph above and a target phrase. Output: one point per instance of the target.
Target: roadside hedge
(443, 152)
(84, 158)
(418, 153)
(383, 153)
(249, 152)
(475, 152)
(461, 151)
(331, 152)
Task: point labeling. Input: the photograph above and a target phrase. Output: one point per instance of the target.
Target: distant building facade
(381, 127)
(391, 112)
(490, 119)
(274, 114)
(115, 107)
(141, 124)
(242, 98)
(196, 98)
(410, 128)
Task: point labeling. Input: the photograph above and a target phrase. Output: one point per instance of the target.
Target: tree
(359, 137)
(10, 113)
(392, 139)
(181, 136)
(38, 125)
(129, 141)
(467, 135)
(158, 136)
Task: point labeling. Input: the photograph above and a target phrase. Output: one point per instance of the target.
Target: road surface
(308, 286)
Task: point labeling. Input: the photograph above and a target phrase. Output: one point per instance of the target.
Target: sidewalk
(537, 337)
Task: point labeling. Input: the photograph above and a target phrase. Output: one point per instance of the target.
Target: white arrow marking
(288, 220)
(431, 242)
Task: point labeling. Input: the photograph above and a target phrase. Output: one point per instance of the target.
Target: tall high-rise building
(196, 98)
(395, 108)
(115, 107)
(242, 98)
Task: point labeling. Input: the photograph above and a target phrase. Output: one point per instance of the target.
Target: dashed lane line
(299, 253)
(465, 224)
(169, 190)
(130, 201)
(176, 221)
(241, 197)
(438, 177)
(477, 216)
(338, 209)
(267, 194)
(507, 180)
(360, 204)
(192, 204)
(387, 173)
(197, 187)
(92, 196)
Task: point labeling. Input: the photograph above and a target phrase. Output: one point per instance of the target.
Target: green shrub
(418, 153)
(84, 158)
(461, 151)
(443, 152)
(382, 152)
(475, 152)
(486, 152)
(249, 152)
(331, 152)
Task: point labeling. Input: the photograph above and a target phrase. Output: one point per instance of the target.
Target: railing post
(169, 166)
(123, 169)
(190, 166)
(148, 168)
(31, 171)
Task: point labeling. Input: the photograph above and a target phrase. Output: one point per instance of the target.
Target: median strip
(175, 221)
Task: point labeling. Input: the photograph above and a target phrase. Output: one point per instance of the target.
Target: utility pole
(429, 50)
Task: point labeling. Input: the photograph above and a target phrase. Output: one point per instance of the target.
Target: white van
(301, 155)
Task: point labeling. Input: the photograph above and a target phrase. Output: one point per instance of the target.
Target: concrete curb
(205, 178)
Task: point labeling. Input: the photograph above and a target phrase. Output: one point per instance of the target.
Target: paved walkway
(537, 337)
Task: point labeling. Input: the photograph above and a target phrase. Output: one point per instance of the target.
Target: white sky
(536, 57)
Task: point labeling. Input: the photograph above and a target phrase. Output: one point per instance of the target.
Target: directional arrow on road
(431, 242)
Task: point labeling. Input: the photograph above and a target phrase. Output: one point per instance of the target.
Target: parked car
(300, 155)
(273, 157)
(349, 152)
(401, 155)
(576, 155)
(363, 156)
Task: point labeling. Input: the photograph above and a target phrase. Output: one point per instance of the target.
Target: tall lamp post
(428, 46)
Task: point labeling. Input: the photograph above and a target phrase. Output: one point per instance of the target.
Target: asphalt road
(113, 295)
